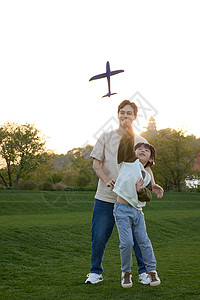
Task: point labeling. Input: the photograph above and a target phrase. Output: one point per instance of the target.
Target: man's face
(126, 115)
(143, 154)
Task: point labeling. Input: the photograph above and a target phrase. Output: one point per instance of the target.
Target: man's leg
(101, 229)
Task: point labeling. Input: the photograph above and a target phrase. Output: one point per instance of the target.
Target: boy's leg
(124, 226)
(138, 255)
(101, 229)
(144, 242)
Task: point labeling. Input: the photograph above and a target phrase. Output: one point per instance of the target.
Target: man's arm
(158, 190)
(97, 166)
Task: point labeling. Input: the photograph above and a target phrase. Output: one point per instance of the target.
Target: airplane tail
(109, 94)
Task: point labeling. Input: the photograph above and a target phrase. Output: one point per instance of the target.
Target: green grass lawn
(45, 248)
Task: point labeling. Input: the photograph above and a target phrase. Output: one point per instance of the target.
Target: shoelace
(126, 277)
(152, 275)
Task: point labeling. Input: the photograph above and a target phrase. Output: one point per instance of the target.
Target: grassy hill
(45, 248)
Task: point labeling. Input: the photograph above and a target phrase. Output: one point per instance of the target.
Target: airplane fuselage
(107, 74)
(108, 77)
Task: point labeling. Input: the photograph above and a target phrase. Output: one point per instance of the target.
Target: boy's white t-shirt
(106, 150)
(125, 186)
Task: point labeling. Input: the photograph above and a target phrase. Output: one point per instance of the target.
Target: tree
(22, 150)
(176, 154)
(83, 169)
(76, 167)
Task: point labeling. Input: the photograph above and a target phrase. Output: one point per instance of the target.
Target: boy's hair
(132, 104)
(152, 150)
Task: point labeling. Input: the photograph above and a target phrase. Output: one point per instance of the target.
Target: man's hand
(158, 190)
(111, 183)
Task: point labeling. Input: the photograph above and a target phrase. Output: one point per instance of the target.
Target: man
(105, 167)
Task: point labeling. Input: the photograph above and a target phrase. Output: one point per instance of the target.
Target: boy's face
(143, 154)
(126, 116)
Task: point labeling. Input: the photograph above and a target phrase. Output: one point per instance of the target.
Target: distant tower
(151, 124)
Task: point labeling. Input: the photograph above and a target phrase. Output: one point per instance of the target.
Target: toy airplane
(107, 74)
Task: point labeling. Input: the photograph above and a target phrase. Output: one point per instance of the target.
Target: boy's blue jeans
(102, 226)
(131, 221)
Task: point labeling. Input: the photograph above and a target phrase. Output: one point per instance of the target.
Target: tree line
(25, 163)
(177, 157)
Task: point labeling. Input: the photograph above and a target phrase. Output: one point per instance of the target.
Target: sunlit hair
(132, 104)
(152, 150)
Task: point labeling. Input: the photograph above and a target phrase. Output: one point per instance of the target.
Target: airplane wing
(116, 72)
(98, 76)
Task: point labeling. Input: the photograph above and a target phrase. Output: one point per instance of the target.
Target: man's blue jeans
(102, 226)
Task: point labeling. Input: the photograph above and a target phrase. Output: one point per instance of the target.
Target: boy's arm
(157, 189)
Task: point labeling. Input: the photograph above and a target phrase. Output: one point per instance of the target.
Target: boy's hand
(158, 190)
(140, 185)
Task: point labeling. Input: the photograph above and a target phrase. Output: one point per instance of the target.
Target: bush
(69, 188)
(197, 189)
(55, 178)
(193, 189)
(15, 186)
(60, 186)
(46, 186)
(28, 185)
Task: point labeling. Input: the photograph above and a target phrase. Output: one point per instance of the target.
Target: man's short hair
(132, 104)
(152, 150)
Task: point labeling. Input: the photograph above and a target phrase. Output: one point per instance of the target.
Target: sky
(50, 49)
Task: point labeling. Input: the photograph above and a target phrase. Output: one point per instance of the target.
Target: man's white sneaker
(154, 279)
(126, 280)
(94, 278)
(144, 278)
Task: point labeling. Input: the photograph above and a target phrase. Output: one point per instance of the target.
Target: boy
(133, 189)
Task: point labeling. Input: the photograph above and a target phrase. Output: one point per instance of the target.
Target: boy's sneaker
(93, 278)
(126, 280)
(144, 278)
(154, 279)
